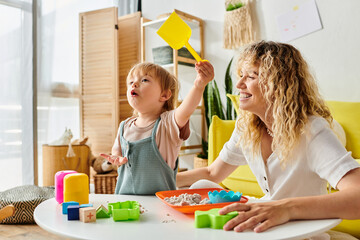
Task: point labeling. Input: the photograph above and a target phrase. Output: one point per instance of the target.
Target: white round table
(160, 221)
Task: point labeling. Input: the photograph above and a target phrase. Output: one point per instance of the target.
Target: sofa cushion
(242, 179)
(348, 115)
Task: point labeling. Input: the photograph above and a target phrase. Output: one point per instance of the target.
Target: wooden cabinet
(195, 23)
(109, 47)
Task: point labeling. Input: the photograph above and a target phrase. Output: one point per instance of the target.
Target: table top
(159, 221)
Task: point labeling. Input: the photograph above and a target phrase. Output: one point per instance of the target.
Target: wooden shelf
(156, 24)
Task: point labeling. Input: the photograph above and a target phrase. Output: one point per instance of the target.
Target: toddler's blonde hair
(167, 81)
(290, 92)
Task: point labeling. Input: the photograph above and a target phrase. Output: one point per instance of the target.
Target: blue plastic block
(73, 212)
(86, 205)
(224, 196)
(212, 218)
(65, 206)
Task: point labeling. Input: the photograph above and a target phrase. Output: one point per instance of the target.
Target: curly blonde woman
(284, 133)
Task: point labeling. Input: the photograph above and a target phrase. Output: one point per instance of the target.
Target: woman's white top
(319, 158)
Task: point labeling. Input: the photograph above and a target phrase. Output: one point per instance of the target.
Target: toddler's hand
(205, 73)
(117, 160)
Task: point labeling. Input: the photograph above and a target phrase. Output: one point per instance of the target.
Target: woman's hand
(256, 216)
(117, 160)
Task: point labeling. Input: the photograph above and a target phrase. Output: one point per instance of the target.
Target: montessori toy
(212, 218)
(73, 212)
(177, 34)
(76, 188)
(128, 210)
(86, 205)
(223, 196)
(87, 214)
(59, 184)
(65, 206)
(102, 212)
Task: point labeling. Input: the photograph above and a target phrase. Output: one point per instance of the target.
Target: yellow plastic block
(76, 188)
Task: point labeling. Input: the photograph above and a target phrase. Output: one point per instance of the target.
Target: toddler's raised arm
(205, 73)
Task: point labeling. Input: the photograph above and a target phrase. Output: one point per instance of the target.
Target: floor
(33, 231)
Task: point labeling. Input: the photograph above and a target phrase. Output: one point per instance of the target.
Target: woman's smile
(244, 96)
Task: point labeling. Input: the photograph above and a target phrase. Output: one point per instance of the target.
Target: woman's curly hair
(290, 92)
(167, 81)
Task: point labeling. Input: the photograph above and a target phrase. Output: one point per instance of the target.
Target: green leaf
(230, 7)
(206, 104)
(217, 103)
(238, 5)
(213, 105)
(228, 89)
(205, 147)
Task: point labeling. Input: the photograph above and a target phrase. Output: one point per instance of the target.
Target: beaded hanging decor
(238, 29)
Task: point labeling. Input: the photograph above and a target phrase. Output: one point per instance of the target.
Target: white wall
(332, 52)
(212, 12)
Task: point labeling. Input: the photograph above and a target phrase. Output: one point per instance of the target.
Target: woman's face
(251, 98)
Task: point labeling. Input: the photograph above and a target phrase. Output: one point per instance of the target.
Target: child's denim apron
(146, 172)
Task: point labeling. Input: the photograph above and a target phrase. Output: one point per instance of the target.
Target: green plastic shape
(212, 218)
(123, 211)
(102, 212)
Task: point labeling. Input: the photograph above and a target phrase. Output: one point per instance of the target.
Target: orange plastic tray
(192, 208)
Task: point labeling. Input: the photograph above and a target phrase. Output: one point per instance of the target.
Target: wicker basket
(200, 162)
(55, 159)
(164, 55)
(105, 183)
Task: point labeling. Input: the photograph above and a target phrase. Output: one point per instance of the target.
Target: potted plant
(213, 106)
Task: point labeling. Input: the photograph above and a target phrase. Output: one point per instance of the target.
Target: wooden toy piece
(87, 214)
(212, 218)
(122, 211)
(59, 184)
(65, 206)
(6, 212)
(76, 188)
(73, 212)
(102, 212)
(86, 205)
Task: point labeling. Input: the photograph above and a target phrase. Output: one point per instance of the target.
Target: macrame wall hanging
(238, 29)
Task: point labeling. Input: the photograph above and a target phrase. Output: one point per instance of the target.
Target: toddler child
(148, 143)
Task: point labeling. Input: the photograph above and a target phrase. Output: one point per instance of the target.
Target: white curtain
(16, 94)
(127, 6)
(58, 83)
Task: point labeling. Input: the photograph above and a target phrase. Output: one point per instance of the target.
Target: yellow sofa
(242, 179)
